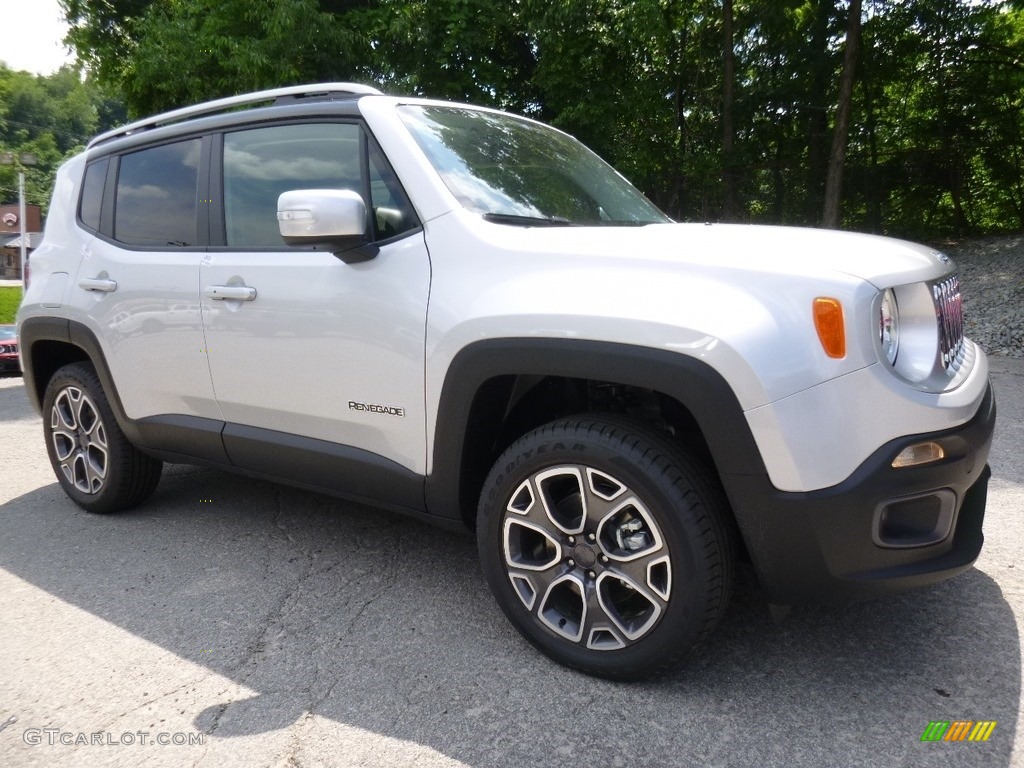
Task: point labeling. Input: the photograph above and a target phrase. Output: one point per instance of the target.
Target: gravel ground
(992, 280)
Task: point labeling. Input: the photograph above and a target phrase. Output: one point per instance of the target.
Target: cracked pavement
(282, 628)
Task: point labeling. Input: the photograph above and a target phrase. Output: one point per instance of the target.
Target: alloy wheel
(79, 440)
(586, 557)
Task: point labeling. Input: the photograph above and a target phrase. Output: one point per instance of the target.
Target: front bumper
(832, 545)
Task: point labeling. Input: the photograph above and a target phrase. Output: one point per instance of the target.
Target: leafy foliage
(231, 46)
(49, 118)
(935, 142)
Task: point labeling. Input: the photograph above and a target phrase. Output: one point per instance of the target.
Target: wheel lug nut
(571, 563)
(604, 558)
(591, 574)
(591, 537)
(572, 540)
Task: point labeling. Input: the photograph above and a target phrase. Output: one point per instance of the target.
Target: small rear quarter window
(92, 194)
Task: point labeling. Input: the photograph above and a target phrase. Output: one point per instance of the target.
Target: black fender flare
(693, 383)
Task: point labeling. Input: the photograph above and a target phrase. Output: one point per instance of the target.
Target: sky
(32, 34)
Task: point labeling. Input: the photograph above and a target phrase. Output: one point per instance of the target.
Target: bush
(10, 298)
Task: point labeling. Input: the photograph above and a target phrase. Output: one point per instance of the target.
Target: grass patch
(10, 298)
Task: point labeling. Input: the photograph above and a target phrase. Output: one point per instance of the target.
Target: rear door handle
(97, 284)
(234, 292)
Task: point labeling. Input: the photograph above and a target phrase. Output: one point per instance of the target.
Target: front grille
(949, 314)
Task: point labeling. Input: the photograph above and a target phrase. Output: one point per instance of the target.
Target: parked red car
(9, 349)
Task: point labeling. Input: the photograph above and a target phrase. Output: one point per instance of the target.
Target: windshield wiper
(527, 221)
(624, 223)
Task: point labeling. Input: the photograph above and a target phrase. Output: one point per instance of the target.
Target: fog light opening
(917, 521)
(920, 453)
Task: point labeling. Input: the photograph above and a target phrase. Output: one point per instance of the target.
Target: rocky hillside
(992, 281)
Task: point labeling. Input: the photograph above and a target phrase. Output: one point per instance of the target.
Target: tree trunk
(874, 185)
(816, 111)
(729, 203)
(837, 159)
(778, 185)
(1017, 193)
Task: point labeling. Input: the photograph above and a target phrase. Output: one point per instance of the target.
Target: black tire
(606, 545)
(96, 465)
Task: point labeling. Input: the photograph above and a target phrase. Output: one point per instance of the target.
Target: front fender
(691, 382)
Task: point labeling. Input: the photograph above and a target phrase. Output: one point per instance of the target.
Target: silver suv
(468, 317)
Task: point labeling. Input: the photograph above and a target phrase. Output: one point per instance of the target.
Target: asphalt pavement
(230, 622)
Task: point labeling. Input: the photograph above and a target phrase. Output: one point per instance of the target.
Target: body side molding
(329, 466)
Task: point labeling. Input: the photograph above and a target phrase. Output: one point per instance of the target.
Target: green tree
(940, 148)
(473, 50)
(840, 134)
(170, 53)
(48, 117)
(641, 83)
(715, 108)
(478, 51)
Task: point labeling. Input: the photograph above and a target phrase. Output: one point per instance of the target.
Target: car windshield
(515, 171)
(8, 332)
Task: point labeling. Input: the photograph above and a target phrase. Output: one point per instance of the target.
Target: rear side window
(261, 163)
(156, 196)
(92, 193)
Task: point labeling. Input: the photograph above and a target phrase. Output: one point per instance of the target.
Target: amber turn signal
(828, 320)
(921, 453)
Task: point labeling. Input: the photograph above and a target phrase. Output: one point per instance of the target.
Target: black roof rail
(293, 92)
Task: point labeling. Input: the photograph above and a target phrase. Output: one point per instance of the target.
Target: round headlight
(889, 326)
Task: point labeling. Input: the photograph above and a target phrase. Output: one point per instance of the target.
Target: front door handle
(97, 284)
(234, 292)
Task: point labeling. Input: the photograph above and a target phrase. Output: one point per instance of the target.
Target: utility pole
(22, 225)
(20, 161)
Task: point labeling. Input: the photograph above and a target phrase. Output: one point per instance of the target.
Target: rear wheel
(94, 462)
(605, 545)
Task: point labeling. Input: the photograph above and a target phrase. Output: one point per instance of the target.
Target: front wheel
(605, 544)
(96, 465)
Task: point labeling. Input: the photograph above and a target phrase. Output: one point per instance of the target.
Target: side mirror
(328, 218)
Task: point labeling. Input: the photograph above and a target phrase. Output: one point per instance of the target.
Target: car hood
(804, 252)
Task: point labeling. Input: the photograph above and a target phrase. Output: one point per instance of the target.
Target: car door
(317, 364)
(137, 285)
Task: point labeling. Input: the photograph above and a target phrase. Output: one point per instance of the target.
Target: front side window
(262, 163)
(517, 171)
(157, 194)
(392, 213)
